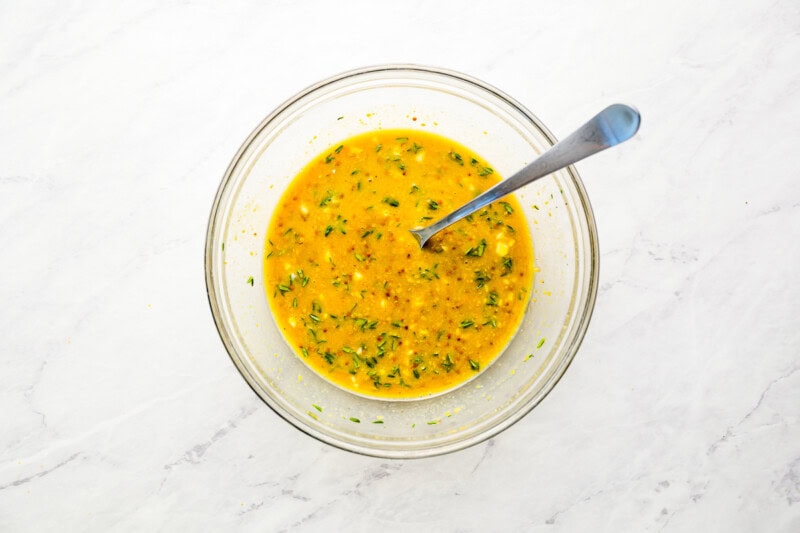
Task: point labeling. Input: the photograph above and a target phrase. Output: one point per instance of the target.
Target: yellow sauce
(358, 300)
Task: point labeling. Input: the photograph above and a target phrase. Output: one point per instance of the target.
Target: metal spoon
(615, 124)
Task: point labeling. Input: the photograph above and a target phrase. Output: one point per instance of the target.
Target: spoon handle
(615, 124)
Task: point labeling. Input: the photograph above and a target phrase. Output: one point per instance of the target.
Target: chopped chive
(378, 148)
(481, 278)
(455, 156)
(391, 201)
(507, 207)
(377, 421)
(467, 323)
(328, 230)
(448, 362)
(433, 205)
(474, 365)
(508, 265)
(317, 407)
(477, 251)
(250, 280)
(354, 419)
(541, 343)
(491, 298)
(339, 148)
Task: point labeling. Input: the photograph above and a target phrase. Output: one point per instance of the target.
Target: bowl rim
(509, 418)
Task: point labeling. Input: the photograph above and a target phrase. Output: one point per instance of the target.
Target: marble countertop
(120, 409)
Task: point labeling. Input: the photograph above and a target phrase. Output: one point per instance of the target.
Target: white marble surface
(119, 407)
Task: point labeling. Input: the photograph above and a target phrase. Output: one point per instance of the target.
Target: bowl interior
(500, 131)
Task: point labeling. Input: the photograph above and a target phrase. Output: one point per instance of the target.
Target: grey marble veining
(121, 411)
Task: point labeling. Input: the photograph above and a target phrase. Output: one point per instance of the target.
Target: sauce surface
(358, 300)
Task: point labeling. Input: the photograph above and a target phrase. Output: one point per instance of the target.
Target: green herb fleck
(492, 298)
(541, 343)
(391, 201)
(507, 207)
(474, 365)
(250, 280)
(508, 265)
(327, 199)
(477, 251)
(433, 205)
(467, 323)
(339, 148)
(354, 419)
(317, 407)
(455, 156)
(448, 362)
(481, 278)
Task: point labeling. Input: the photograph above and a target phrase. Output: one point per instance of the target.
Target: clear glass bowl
(476, 115)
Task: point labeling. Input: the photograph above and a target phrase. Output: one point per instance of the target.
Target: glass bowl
(508, 137)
